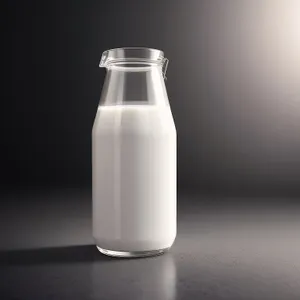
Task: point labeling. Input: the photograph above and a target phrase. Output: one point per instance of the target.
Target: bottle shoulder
(134, 119)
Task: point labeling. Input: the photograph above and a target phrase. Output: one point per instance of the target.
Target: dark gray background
(233, 84)
(234, 89)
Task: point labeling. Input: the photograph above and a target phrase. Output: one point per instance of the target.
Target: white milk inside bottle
(134, 177)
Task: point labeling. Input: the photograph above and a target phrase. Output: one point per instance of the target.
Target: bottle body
(134, 177)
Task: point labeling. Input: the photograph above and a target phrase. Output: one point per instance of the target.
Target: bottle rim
(132, 55)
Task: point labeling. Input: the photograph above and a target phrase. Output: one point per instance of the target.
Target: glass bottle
(134, 156)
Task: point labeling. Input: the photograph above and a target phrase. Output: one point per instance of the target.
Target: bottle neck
(129, 84)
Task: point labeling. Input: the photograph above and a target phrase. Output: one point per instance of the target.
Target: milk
(134, 177)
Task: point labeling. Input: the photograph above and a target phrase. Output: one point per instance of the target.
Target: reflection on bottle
(148, 278)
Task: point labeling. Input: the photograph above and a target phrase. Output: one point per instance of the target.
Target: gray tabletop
(226, 248)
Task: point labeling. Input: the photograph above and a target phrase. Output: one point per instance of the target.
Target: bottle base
(132, 254)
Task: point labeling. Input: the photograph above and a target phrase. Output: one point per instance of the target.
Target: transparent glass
(134, 156)
(134, 76)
